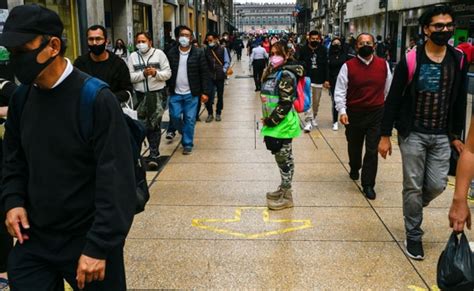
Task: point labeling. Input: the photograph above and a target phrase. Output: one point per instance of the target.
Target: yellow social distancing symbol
(228, 229)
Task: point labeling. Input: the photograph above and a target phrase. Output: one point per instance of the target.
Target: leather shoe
(354, 175)
(369, 192)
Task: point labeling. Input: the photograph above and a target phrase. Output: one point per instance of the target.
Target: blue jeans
(425, 159)
(183, 109)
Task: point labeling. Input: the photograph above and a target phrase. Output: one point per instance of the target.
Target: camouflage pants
(286, 164)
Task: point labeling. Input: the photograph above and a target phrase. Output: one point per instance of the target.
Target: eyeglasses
(364, 43)
(96, 39)
(440, 26)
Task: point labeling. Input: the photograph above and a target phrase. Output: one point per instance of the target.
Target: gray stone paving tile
(302, 265)
(246, 193)
(325, 223)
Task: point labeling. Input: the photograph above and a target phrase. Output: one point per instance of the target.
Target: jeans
(425, 159)
(213, 85)
(315, 100)
(364, 126)
(183, 110)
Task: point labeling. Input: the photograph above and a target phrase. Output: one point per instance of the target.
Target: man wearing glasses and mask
(427, 105)
(361, 88)
(105, 65)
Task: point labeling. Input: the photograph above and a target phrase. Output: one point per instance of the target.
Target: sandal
(3, 284)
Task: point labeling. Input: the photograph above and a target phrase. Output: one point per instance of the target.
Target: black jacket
(71, 188)
(320, 74)
(216, 67)
(113, 71)
(336, 61)
(198, 71)
(400, 104)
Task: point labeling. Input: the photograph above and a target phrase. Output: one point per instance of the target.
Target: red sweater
(366, 85)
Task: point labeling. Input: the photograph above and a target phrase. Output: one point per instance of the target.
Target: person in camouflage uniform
(280, 120)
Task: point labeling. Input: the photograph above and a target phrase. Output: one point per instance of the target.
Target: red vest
(366, 85)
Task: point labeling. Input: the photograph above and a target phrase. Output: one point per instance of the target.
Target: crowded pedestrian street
(207, 225)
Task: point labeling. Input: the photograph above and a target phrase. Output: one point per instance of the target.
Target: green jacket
(277, 95)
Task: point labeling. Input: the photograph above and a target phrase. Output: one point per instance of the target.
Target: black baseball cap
(26, 22)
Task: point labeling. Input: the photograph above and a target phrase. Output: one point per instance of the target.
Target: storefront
(169, 18)
(142, 18)
(464, 21)
(68, 13)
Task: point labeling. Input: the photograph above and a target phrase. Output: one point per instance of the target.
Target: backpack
(411, 63)
(92, 87)
(302, 101)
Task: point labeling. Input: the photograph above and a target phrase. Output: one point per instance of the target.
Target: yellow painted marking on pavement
(416, 288)
(200, 223)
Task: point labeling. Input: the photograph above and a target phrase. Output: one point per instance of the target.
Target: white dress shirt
(340, 92)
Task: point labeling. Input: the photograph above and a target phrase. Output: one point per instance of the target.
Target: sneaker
(275, 195)
(335, 126)
(285, 201)
(170, 135)
(152, 163)
(308, 127)
(209, 118)
(369, 192)
(314, 123)
(414, 249)
(218, 117)
(187, 151)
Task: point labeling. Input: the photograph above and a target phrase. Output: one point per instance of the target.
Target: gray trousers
(425, 159)
(315, 100)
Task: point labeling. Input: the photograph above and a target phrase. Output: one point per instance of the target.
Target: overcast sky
(265, 1)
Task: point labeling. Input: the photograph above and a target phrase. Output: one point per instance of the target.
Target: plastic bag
(456, 265)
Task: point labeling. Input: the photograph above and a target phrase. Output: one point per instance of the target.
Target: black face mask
(441, 38)
(314, 43)
(366, 51)
(336, 48)
(25, 66)
(97, 49)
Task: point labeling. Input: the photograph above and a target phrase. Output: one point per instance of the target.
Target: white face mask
(142, 47)
(184, 41)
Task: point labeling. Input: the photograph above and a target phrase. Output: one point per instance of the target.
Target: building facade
(124, 18)
(264, 17)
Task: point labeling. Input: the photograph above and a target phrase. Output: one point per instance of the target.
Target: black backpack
(91, 88)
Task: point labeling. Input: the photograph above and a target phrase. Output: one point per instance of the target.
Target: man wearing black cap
(69, 199)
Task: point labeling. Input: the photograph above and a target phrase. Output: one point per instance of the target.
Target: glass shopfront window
(66, 9)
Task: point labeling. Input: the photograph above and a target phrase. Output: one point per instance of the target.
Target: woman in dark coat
(337, 57)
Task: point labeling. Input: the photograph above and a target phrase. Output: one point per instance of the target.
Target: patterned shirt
(434, 87)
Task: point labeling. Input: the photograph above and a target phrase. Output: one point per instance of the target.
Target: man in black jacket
(188, 83)
(105, 65)
(314, 58)
(217, 56)
(69, 199)
(427, 105)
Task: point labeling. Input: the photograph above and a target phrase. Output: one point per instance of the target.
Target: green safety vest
(289, 127)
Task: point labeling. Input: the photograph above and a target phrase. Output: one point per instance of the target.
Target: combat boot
(285, 201)
(275, 195)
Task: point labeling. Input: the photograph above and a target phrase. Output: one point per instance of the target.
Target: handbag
(128, 109)
(229, 71)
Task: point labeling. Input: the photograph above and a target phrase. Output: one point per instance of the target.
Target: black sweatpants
(41, 263)
(258, 67)
(364, 126)
(6, 243)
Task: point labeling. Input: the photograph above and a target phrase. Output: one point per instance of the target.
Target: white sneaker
(335, 126)
(308, 127)
(314, 123)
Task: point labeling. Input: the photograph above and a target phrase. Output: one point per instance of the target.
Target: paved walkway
(206, 224)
